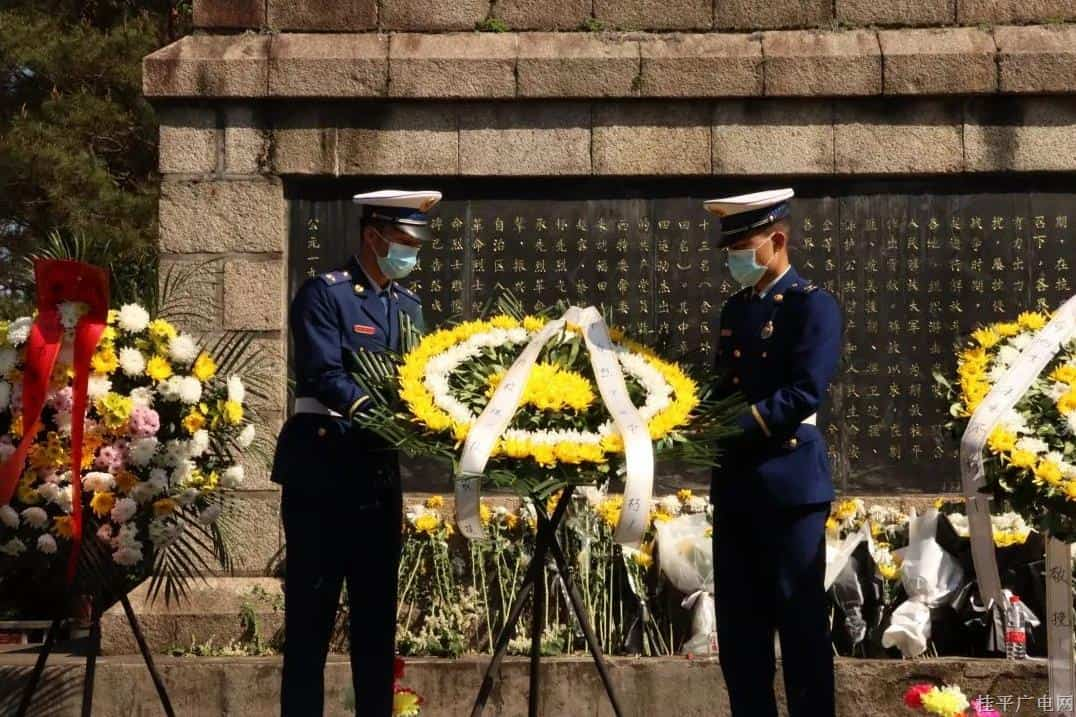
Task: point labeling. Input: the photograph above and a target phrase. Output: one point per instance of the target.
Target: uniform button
(763, 354)
(778, 298)
(322, 431)
(736, 353)
(792, 442)
(735, 379)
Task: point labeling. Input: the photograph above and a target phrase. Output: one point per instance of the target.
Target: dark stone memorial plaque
(914, 266)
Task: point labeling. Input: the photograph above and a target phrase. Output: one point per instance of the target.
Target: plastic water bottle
(1015, 630)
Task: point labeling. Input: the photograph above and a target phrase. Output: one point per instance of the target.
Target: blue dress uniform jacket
(772, 495)
(781, 351)
(341, 504)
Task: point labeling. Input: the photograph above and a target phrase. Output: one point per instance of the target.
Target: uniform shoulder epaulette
(404, 291)
(802, 287)
(335, 277)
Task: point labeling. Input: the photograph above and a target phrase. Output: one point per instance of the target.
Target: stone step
(648, 687)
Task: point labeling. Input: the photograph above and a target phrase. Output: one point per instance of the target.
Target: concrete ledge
(972, 12)
(904, 13)
(822, 63)
(647, 687)
(938, 61)
(456, 65)
(1037, 59)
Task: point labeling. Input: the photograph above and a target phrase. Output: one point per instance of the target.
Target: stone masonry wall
(271, 89)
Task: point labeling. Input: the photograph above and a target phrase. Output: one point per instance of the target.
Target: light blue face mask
(743, 266)
(400, 260)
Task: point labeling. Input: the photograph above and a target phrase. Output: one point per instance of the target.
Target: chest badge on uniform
(767, 330)
(358, 288)
(364, 329)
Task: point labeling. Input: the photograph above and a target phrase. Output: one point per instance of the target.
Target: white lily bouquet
(558, 429)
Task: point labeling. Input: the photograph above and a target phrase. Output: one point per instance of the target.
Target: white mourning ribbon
(1002, 397)
(495, 418)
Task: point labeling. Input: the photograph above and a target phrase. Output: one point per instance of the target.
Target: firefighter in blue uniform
(779, 345)
(341, 498)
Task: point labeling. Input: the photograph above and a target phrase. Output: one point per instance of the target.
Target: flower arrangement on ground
(946, 701)
(1031, 453)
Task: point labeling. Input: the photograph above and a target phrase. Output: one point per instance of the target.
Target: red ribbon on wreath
(59, 281)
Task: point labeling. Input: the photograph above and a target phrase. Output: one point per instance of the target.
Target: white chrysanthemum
(959, 522)
(62, 419)
(1034, 445)
(71, 312)
(124, 510)
(209, 515)
(133, 318)
(169, 388)
(48, 492)
(99, 385)
(104, 533)
(669, 504)
(199, 444)
(63, 498)
(183, 349)
(1007, 355)
(188, 496)
(1071, 420)
(236, 390)
(35, 517)
(158, 478)
(142, 492)
(46, 544)
(13, 547)
(141, 450)
(182, 472)
(246, 436)
(1055, 390)
(190, 390)
(175, 452)
(132, 362)
(232, 477)
(142, 397)
(8, 357)
(1021, 341)
(163, 532)
(127, 556)
(697, 504)
(9, 517)
(98, 482)
(19, 330)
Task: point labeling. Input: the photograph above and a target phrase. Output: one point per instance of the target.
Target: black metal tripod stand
(546, 543)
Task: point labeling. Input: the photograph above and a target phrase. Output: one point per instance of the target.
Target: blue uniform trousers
(342, 516)
(769, 573)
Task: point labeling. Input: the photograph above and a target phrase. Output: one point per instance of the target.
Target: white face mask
(744, 266)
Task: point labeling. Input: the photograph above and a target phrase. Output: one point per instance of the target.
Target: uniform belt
(309, 404)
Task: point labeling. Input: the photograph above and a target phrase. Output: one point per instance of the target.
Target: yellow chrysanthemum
(684, 495)
(61, 526)
(612, 443)
(204, 367)
(434, 502)
(544, 454)
(164, 507)
(1047, 472)
(1067, 403)
(845, 509)
(158, 368)
(1032, 320)
(427, 523)
(105, 360)
(114, 410)
(1069, 487)
(1007, 328)
(125, 481)
(406, 703)
(515, 448)
(161, 330)
(485, 514)
(832, 526)
(533, 323)
(102, 504)
(460, 431)
(194, 421)
(1001, 441)
(609, 510)
(232, 412)
(1065, 374)
(986, 337)
(644, 556)
(1023, 459)
(889, 571)
(945, 702)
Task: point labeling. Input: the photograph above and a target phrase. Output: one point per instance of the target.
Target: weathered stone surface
(524, 140)
(905, 13)
(1037, 59)
(577, 65)
(435, 15)
(193, 286)
(303, 142)
(210, 614)
(1035, 134)
(188, 140)
(912, 137)
(655, 14)
(754, 15)
(938, 61)
(208, 66)
(401, 139)
(545, 15)
(648, 686)
(971, 12)
(254, 292)
(324, 15)
(651, 138)
(702, 65)
(246, 140)
(812, 62)
(222, 216)
(229, 13)
(329, 65)
(453, 65)
(773, 137)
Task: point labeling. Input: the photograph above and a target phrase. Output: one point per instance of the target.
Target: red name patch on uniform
(726, 332)
(364, 329)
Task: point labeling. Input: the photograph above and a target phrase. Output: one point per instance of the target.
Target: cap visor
(415, 231)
